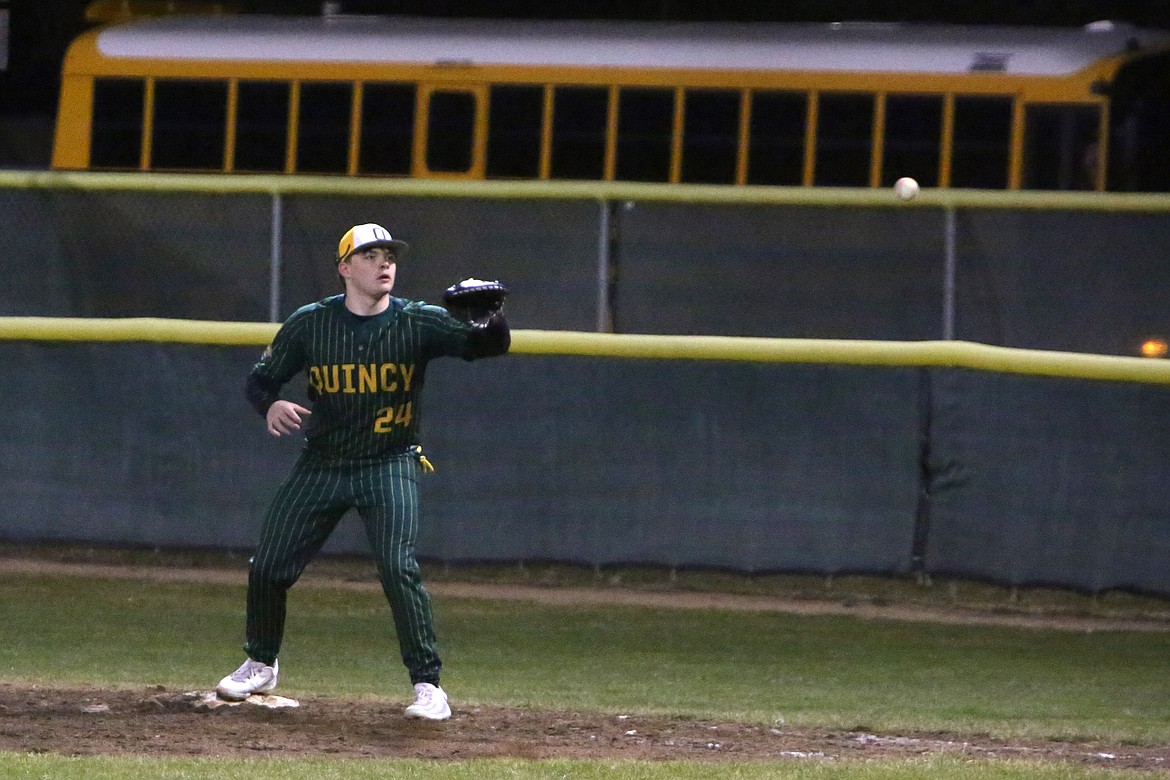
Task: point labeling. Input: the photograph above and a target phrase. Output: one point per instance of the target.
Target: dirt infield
(162, 722)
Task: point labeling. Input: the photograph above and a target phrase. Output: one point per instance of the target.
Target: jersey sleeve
(446, 336)
(441, 335)
(490, 339)
(279, 363)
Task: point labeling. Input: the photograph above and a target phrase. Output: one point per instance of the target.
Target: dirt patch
(162, 722)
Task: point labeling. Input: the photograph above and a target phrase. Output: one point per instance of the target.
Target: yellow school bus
(848, 104)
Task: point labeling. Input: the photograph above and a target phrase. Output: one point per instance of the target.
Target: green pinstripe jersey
(365, 374)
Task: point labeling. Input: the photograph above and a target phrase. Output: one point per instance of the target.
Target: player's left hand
(285, 417)
(475, 301)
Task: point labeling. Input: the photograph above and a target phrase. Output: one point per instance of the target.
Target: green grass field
(281, 769)
(802, 671)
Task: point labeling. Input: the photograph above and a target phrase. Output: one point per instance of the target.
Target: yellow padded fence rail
(576, 190)
(956, 354)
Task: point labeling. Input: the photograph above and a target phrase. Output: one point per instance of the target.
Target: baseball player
(364, 353)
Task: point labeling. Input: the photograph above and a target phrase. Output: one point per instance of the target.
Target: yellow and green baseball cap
(361, 237)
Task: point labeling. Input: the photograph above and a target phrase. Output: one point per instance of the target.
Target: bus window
(710, 136)
(116, 141)
(645, 125)
(261, 126)
(515, 114)
(776, 154)
(982, 142)
(1139, 117)
(323, 127)
(579, 122)
(961, 112)
(844, 139)
(912, 138)
(450, 131)
(190, 125)
(387, 128)
(1060, 150)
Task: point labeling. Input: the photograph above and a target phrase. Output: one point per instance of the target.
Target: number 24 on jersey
(389, 416)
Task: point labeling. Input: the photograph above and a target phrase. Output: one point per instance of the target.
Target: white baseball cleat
(251, 677)
(430, 703)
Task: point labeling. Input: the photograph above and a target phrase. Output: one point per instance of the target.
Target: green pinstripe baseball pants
(305, 510)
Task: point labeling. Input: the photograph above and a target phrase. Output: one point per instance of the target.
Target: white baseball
(905, 188)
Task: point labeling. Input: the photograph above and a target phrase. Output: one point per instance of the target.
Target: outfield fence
(754, 455)
(801, 380)
(1071, 272)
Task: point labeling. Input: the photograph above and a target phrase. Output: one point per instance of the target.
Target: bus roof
(848, 46)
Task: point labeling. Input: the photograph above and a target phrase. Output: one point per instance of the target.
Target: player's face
(371, 271)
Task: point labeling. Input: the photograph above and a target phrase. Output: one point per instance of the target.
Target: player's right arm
(279, 363)
(285, 417)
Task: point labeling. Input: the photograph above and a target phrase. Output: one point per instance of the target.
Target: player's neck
(366, 305)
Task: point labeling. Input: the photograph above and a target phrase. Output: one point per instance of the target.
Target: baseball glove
(475, 301)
